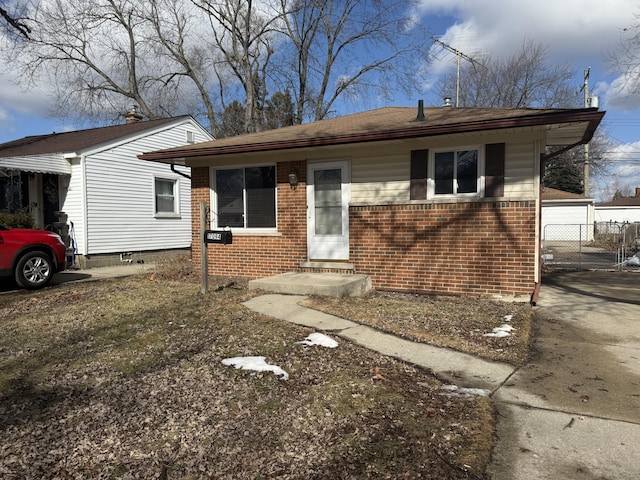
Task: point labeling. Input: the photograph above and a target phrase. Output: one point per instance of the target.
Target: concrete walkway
(574, 411)
(459, 368)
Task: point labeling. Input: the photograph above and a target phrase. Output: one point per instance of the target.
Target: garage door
(566, 222)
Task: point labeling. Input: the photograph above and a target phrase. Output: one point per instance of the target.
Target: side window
(246, 197)
(456, 172)
(166, 202)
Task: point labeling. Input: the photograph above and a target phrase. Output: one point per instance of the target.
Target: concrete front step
(304, 283)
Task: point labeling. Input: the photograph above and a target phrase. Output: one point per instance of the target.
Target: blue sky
(579, 32)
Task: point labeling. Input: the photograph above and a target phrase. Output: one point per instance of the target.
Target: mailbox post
(224, 237)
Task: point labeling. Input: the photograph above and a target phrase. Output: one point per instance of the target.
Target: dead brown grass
(123, 379)
(459, 323)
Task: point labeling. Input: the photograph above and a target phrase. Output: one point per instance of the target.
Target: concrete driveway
(574, 411)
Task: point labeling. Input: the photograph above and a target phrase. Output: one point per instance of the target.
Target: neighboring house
(624, 209)
(438, 200)
(114, 205)
(566, 216)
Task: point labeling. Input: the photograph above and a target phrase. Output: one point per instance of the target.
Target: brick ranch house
(434, 200)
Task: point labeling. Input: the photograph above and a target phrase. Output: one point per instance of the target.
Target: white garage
(566, 216)
(621, 210)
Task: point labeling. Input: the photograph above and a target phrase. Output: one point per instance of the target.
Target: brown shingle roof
(76, 140)
(549, 193)
(385, 124)
(622, 202)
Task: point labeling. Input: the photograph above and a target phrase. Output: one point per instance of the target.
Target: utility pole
(586, 145)
(459, 55)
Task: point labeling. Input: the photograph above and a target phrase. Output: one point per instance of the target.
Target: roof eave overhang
(591, 117)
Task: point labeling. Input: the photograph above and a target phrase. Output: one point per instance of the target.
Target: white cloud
(573, 29)
(623, 172)
(625, 161)
(569, 27)
(622, 92)
(15, 97)
(577, 32)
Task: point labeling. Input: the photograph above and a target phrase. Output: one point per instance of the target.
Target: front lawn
(124, 379)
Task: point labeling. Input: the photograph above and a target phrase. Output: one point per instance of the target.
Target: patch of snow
(455, 391)
(499, 332)
(257, 364)
(319, 339)
(508, 318)
(633, 261)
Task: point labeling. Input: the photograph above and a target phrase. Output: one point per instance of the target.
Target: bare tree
(171, 56)
(174, 37)
(243, 31)
(526, 79)
(100, 56)
(92, 53)
(16, 21)
(625, 59)
(341, 48)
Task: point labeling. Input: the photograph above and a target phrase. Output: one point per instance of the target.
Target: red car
(31, 257)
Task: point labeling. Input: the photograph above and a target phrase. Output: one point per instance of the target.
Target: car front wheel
(34, 270)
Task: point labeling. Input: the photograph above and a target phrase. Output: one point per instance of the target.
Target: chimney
(132, 116)
(420, 117)
(637, 192)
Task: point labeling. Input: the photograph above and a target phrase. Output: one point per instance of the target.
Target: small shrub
(17, 220)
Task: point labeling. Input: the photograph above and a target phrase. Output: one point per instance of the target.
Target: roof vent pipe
(132, 116)
(420, 116)
(447, 102)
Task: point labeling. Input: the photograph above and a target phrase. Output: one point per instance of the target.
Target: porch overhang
(36, 164)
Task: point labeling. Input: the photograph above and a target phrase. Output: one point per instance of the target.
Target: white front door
(328, 187)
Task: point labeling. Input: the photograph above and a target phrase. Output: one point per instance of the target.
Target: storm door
(328, 187)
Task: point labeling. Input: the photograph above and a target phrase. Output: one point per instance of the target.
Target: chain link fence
(597, 246)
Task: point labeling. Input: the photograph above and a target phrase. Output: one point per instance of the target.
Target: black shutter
(494, 170)
(418, 186)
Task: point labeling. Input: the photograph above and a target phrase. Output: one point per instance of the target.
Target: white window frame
(213, 220)
(431, 174)
(176, 198)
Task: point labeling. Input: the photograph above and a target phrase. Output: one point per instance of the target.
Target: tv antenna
(459, 56)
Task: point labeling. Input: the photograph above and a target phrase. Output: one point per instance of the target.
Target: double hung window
(246, 197)
(166, 203)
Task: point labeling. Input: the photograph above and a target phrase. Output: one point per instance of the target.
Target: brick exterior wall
(264, 255)
(471, 248)
(477, 249)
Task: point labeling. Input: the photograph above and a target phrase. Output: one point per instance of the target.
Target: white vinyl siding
(120, 198)
(381, 176)
(520, 170)
(380, 179)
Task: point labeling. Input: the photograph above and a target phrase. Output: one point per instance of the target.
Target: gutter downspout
(173, 169)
